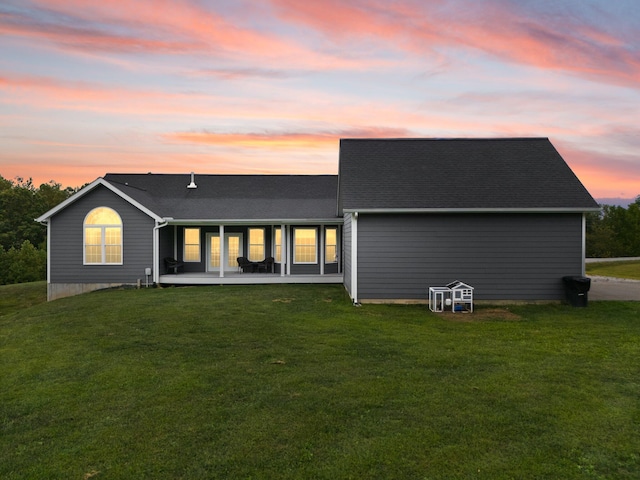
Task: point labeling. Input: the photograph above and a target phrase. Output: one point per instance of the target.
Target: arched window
(103, 237)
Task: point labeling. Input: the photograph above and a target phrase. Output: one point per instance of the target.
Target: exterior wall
(504, 256)
(347, 252)
(66, 246)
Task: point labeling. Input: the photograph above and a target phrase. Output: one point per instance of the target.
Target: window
(191, 245)
(304, 245)
(256, 244)
(331, 245)
(102, 237)
(214, 247)
(277, 245)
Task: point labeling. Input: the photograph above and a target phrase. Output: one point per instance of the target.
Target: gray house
(503, 215)
(120, 229)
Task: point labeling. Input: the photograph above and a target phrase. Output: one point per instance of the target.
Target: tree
(20, 204)
(26, 264)
(614, 232)
(600, 236)
(22, 239)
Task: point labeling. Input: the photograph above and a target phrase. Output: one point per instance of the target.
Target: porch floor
(234, 278)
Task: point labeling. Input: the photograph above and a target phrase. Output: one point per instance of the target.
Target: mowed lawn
(621, 269)
(293, 382)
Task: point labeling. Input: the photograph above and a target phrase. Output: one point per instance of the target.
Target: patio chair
(266, 265)
(172, 263)
(245, 265)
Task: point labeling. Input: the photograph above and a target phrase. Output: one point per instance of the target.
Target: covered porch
(236, 278)
(210, 253)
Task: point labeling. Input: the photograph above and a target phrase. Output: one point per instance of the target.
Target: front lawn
(293, 382)
(622, 269)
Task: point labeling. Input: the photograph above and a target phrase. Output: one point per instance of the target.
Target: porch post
(222, 252)
(321, 249)
(175, 242)
(283, 244)
(340, 246)
(288, 230)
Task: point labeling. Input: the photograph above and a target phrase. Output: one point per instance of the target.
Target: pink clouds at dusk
(271, 86)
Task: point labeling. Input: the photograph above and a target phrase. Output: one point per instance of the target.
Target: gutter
(47, 223)
(156, 248)
(473, 210)
(257, 221)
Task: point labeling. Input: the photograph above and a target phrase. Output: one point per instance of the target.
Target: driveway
(610, 288)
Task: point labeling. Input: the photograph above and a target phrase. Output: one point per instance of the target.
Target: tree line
(612, 232)
(23, 241)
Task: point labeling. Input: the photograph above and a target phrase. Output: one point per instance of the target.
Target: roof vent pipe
(192, 184)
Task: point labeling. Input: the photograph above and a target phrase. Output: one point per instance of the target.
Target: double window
(305, 245)
(103, 237)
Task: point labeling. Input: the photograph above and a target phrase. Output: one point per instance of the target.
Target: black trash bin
(576, 290)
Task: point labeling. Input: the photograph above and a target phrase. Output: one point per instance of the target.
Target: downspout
(156, 249)
(48, 224)
(584, 243)
(354, 258)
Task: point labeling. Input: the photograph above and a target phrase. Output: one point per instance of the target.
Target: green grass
(625, 269)
(18, 297)
(294, 382)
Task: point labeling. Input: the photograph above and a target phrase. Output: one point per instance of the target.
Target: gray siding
(66, 236)
(347, 252)
(504, 256)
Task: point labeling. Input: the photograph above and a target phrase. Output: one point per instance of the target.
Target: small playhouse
(455, 295)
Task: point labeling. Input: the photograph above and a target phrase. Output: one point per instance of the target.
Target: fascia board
(253, 221)
(72, 199)
(472, 210)
(92, 186)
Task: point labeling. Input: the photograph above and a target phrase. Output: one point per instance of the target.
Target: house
(120, 228)
(503, 215)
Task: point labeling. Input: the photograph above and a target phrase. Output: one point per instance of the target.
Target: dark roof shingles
(238, 197)
(457, 174)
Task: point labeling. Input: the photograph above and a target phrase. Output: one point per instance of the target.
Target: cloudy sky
(239, 86)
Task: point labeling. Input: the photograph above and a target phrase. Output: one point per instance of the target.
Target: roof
(457, 174)
(231, 197)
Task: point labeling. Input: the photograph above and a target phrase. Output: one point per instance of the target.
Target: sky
(237, 86)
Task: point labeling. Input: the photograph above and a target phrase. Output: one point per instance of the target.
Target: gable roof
(512, 174)
(232, 197)
(99, 182)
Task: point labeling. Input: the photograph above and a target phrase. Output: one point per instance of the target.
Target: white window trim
(223, 251)
(335, 259)
(103, 249)
(275, 245)
(263, 244)
(184, 245)
(295, 245)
